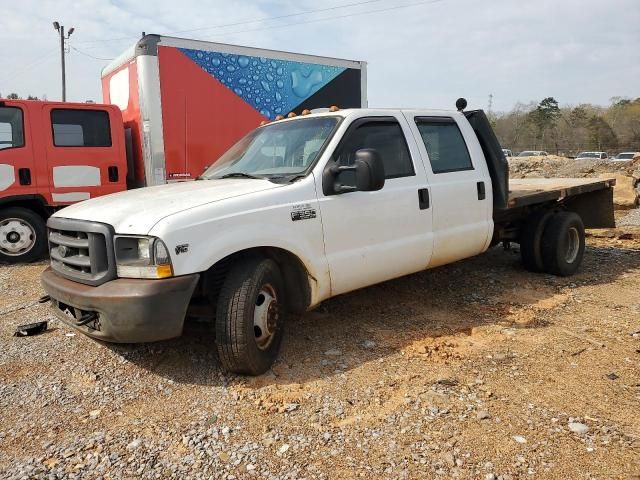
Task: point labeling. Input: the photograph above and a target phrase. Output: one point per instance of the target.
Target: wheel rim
(573, 245)
(265, 317)
(17, 237)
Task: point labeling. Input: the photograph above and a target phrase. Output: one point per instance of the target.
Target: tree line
(570, 129)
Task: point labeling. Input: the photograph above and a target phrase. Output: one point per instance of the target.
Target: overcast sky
(419, 53)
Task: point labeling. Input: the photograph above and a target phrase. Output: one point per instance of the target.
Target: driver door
(374, 236)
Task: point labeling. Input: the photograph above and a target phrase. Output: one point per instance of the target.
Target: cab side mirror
(368, 169)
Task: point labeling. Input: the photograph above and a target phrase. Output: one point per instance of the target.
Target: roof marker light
(279, 117)
(291, 115)
(306, 111)
(333, 108)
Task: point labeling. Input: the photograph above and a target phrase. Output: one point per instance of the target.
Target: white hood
(137, 211)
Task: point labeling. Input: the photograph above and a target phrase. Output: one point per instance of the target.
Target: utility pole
(60, 29)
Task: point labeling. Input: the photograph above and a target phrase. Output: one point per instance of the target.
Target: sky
(420, 53)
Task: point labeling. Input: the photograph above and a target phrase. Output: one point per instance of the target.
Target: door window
(445, 145)
(80, 128)
(11, 128)
(387, 138)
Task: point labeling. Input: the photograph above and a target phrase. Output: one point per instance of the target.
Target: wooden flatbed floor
(529, 191)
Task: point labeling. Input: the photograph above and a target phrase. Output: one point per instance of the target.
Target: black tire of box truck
(563, 244)
(531, 239)
(249, 316)
(23, 235)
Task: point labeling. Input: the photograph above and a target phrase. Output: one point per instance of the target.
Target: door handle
(24, 175)
(423, 198)
(482, 194)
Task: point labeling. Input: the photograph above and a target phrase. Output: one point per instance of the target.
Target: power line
(397, 7)
(16, 73)
(245, 22)
(89, 55)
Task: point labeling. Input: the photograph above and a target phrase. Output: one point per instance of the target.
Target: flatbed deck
(530, 191)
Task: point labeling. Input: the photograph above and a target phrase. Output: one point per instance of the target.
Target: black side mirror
(369, 172)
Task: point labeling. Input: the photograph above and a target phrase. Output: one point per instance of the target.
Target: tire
(531, 239)
(562, 244)
(249, 316)
(23, 235)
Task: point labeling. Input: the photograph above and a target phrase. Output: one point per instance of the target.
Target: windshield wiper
(239, 175)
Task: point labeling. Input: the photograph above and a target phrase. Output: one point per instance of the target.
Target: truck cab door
(85, 152)
(17, 169)
(460, 186)
(374, 236)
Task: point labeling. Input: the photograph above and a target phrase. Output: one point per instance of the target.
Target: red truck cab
(53, 154)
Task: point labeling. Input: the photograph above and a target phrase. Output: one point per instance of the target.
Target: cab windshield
(282, 150)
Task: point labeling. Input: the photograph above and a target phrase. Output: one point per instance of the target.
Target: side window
(11, 128)
(80, 128)
(384, 136)
(445, 145)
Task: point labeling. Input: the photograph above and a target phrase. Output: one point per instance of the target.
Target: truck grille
(82, 251)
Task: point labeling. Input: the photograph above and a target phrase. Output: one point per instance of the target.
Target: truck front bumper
(123, 310)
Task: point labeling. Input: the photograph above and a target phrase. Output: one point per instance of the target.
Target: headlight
(142, 257)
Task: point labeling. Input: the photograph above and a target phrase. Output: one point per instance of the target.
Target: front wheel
(23, 235)
(249, 316)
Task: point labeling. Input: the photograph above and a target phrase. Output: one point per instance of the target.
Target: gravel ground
(474, 370)
(630, 219)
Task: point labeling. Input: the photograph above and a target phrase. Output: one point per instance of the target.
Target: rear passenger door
(460, 187)
(85, 156)
(375, 236)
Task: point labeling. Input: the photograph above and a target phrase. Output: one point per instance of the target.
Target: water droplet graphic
(263, 60)
(231, 68)
(266, 113)
(269, 77)
(265, 85)
(238, 91)
(243, 62)
(242, 81)
(278, 96)
(279, 71)
(274, 64)
(280, 83)
(215, 62)
(255, 77)
(302, 84)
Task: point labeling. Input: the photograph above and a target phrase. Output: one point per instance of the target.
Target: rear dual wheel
(553, 243)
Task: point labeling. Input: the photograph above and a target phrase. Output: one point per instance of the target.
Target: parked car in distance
(592, 155)
(624, 157)
(533, 153)
(507, 153)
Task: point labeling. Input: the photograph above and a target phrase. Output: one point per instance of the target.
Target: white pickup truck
(298, 211)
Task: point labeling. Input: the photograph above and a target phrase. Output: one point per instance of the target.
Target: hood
(137, 211)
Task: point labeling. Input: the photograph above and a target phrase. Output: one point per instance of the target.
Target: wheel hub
(265, 317)
(16, 237)
(573, 245)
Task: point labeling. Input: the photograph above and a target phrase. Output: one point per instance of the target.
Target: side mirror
(368, 169)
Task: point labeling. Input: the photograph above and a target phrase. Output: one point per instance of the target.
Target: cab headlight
(142, 257)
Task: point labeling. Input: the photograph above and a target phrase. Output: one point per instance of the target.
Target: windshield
(278, 150)
(527, 154)
(624, 156)
(589, 155)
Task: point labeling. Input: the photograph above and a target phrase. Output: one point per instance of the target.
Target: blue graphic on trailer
(273, 87)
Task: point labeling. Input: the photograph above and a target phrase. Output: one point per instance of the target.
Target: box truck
(180, 104)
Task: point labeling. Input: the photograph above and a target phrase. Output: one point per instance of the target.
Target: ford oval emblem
(63, 250)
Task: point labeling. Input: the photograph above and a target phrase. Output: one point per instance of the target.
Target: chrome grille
(81, 251)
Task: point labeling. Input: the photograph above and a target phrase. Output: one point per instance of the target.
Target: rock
(134, 444)
(333, 352)
(368, 344)
(490, 476)
(579, 428)
(519, 439)
(93, 414)
(283, 448)
(483, 415)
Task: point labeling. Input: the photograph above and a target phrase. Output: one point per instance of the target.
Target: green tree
(13, 96)
(545, 117)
